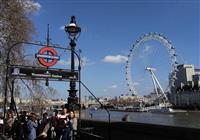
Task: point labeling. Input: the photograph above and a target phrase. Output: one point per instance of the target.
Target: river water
(184, 119)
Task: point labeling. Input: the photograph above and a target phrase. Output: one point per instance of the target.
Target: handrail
(109, 121)
(91, 134)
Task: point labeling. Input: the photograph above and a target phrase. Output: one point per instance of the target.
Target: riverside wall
(138, 131)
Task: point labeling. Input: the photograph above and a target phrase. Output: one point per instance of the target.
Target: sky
(109, 28)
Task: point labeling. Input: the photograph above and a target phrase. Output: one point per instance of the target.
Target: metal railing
(108, 112)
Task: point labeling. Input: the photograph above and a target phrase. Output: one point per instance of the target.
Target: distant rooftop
(186, 65)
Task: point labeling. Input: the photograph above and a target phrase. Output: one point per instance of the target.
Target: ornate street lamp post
(73, 33)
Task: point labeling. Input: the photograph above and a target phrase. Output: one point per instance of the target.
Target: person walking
(54, 121)
(49, 131)
(32, 126)
(74, 123)
(64, 124)
(43, 122)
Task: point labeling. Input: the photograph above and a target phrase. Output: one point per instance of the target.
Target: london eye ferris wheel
(133, 56)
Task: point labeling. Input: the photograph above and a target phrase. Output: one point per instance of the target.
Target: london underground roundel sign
(47, 56)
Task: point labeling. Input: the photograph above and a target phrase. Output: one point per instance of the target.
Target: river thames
(183, 119)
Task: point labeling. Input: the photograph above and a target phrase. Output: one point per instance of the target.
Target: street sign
(42, 73)
(47, 56)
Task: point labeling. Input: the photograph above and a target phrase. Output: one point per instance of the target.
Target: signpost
(45, 54)
(41, 73)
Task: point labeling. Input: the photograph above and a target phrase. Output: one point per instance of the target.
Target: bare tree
(51, 92)
(14, 26)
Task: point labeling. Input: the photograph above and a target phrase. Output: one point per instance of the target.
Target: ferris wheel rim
(170, 49)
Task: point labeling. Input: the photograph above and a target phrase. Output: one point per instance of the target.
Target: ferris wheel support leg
(154, 83)
(158, 83)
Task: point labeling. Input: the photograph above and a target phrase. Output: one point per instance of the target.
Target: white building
(187, 87)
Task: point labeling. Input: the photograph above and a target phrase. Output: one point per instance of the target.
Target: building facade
(186, 93)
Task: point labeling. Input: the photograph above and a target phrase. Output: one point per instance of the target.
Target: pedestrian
(8, 124)
(20, 129)
(54, 122)
(1, 124)
(32, 126)
(23, 120)
(74, 124)
(49, 131)
(64, 125)
(43, 122)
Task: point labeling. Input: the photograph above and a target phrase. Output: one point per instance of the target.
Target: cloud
(84, 29)
(115, 59)
(124, 52)
(141, 56)
(109, 88)
(37, 6)
(63, 62)
(84, 62)
(147, 48)
(113, 86)
(136, 83)
(62, 27)
(105, 90)
(30, 6)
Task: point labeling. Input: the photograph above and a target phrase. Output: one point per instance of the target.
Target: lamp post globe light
(73, 32)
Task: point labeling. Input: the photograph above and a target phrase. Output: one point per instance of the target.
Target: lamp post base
(72, 100)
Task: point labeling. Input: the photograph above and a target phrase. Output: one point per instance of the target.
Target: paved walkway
(3, 137)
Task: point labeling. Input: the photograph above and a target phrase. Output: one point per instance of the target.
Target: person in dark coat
(65, 125)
